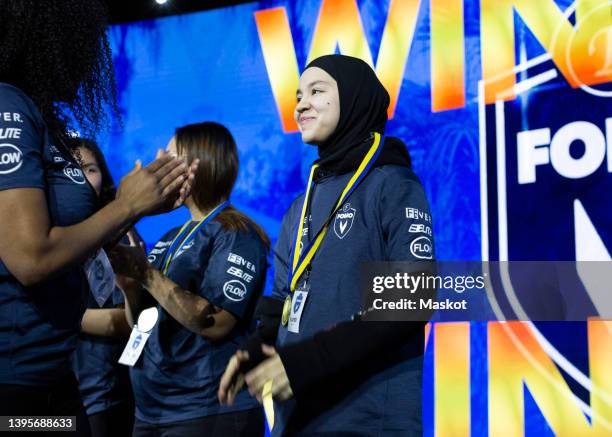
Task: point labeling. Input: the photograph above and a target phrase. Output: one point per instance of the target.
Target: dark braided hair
(57, 52)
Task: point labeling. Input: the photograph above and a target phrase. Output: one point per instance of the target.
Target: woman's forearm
(332, 352)
(190, 310)
(34, 251)
(105, 322)
(66, 245)
(134, 298)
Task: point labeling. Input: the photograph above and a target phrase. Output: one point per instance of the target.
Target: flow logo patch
(234, 290)
(344, 221)
(422, 248)
(11, 158)
(74, 174)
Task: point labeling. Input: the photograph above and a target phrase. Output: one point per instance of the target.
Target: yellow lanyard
(174, 247)
(299, 264)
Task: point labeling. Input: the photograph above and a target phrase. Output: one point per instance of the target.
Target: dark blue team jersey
(379, 222)
(177, 376)
(103, 382)
(39, 324)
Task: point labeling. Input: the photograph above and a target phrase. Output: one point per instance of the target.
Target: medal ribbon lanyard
(299, 263)
(174, 246)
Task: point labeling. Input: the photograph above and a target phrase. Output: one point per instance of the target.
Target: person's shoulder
(393, 174)
(220, 233)
(8, 90)
(297, 202)
(17, 99)
(295, 206)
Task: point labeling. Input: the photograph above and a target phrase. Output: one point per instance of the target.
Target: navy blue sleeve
(236, 271)
(332, 355)
(21, 141)
(405, 217)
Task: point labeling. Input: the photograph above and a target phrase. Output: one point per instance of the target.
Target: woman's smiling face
(318, 106)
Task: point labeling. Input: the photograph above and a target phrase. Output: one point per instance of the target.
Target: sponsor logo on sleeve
(417, 214)
(8, 133)
(74, 174)
(184, 248)
(234, 290)
(419, 228)
(11, 117)
(422, 248)
(240, 261)
(239, 273)
(160, 247)
(11, 158)
(344, 221)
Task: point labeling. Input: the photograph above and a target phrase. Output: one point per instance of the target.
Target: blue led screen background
(209, 66)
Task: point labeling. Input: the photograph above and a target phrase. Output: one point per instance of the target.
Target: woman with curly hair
(54, 56)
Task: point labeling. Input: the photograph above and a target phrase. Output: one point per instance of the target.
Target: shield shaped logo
(344, 221)
(544, 171)
(544, 164)
(299, 298)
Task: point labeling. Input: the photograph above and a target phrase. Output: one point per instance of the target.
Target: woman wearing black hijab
(329, 373)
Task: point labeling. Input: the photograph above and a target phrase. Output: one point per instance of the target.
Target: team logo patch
(422, 248)
(344, 221)
(74, 174)
(11, 158)
(299, 298)
(234, 290)
(137, 341)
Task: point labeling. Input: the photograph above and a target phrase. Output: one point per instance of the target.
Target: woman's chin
(311, 140)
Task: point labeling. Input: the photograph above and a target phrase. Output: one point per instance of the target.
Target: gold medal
(286, 311)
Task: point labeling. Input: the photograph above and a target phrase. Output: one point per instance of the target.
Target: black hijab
(363, 110)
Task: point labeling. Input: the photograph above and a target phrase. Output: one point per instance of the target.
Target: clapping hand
(159, 187)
